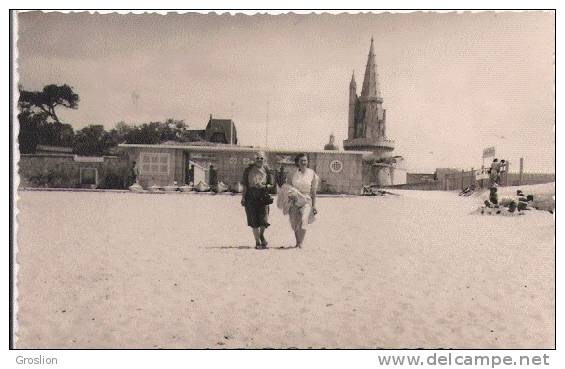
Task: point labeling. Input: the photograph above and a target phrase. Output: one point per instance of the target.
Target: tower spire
(371, 86)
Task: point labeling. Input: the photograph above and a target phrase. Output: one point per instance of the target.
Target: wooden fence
(480, 178)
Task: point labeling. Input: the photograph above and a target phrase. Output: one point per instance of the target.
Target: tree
(156, 132)
(56, 134)
(92, 140)
(39, 123)
(179, 130)
(48, 99)
(35, 130)
(120, 132)
(30, 134)
(145, 134)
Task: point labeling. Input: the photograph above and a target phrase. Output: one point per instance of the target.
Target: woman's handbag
(267, 198)
(259, 196)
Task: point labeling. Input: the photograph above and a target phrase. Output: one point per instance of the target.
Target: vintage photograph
(299, 180)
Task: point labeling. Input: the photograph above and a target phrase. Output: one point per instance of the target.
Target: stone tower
(331, 144)
(352, 104)
(367, 118)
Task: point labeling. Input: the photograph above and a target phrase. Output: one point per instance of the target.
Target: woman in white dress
(303, 204)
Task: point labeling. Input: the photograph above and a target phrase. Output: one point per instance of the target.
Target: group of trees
(40, 125)
(152, 133)
(95, 140)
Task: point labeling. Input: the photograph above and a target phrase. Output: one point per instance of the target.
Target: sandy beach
(124, 270)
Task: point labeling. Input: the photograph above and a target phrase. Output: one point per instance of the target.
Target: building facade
(161, 165)
(54, 170)
(367, 158)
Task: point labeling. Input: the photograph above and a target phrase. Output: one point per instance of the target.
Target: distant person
(493, 172)
(133, 173)
(493, 196)
(303, 209)
(280, 177)
(494, 165)
(213, 177)
(502, 168)
(190, 174)
(255, 198)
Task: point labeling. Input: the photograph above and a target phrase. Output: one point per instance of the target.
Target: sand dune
(110, 270)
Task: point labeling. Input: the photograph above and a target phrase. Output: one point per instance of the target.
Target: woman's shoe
(264, 242)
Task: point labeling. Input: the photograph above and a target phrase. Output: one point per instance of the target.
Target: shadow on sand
(244, 247)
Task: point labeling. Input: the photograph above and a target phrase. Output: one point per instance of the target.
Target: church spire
(371, 86)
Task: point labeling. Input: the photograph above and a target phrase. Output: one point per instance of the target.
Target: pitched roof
(222, 126)
(371, 87)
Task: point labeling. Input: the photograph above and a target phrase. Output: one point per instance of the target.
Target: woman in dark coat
(256, 183)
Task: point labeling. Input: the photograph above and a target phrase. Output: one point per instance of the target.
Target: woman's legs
(263, 217)
(294, 217)
(299, 235)
(257, 219)
(301, 232)
(262, 236)
(299, 223)
(256, 234)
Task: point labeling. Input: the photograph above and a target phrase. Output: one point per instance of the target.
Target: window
(154, 163)
(336, 166)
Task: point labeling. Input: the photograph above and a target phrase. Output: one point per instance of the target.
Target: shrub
(112, 181)
(114, 178)
(54, 178)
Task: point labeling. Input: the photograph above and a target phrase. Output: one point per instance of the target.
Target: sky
(453, 84)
